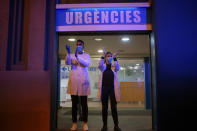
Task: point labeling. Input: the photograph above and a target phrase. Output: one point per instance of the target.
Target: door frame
(54, 73)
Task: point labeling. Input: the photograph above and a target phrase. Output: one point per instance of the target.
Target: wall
(132, 92)
(174, 28)
(4, 20)
(25, 93)
(24, 101)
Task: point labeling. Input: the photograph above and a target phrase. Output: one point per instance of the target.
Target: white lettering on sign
(128, 17)
(104, 16)
(114, 19)
(87, 17)
(69, 17)
(78, 17)
(137, 18)
(96, 17)
(122, 16)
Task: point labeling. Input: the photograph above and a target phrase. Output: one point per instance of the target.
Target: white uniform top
(79, 82)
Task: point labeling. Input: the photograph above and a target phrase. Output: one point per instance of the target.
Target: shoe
(74, 127)
(104, 128)
(117, 128)
(85, 126)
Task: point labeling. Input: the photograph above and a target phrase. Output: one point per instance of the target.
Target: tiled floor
(130, 119)
(98, 104)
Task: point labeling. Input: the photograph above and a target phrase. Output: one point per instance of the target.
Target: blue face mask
(80, 48)
(109, 60)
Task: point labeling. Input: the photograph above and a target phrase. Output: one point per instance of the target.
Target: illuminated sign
(97, 17)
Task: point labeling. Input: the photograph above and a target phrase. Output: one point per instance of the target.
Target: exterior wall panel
(25, 101)
(25, 95)
(4, 21)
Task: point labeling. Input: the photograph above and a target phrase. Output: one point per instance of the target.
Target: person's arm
(101, 64)
(116, 65)
(68, 59)
(84, 61)
(68, 56)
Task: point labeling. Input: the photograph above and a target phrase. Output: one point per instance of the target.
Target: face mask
(80, 48)
(109, 60)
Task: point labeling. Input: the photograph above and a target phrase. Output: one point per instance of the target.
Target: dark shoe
(117, 128)
(104, 128)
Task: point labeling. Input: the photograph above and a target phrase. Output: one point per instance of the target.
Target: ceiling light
(131, 67)
(71, 39)
(137, 64)
(136, 67)
(98, 39)
(122, 68)
(100, 51)
(125, 39)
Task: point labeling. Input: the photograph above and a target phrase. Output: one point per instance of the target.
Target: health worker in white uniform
(78, 83)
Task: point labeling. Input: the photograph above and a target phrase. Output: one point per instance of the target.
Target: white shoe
(74, 127)
(85, 127)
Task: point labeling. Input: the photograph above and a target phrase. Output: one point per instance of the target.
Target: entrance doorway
(134, 77)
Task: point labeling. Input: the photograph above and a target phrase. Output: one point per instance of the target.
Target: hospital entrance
(134, 78)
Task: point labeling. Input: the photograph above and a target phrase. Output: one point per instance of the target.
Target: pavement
(130, 119)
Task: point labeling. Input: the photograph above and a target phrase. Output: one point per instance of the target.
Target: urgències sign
(100, 19)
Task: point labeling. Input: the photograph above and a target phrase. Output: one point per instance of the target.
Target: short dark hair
(81, 42)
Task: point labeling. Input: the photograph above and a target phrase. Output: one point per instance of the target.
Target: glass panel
(131, 77)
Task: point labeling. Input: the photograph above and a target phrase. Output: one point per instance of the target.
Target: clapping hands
(76, 51)
(115, 54)
(103, 52)
(68, 49)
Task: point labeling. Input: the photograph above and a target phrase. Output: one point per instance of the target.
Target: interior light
(125, 39)
(136, 67)
(71, 39)
(100, 51)
(137, 64)
(122, 68)
(98, 39)
(131, 67)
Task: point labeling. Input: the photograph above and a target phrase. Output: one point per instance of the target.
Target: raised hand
(115, 54)
(68, 49)
(103, 52)
(76, 51)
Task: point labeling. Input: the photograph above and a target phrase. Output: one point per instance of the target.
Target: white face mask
(80, 48)
(109, 60)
